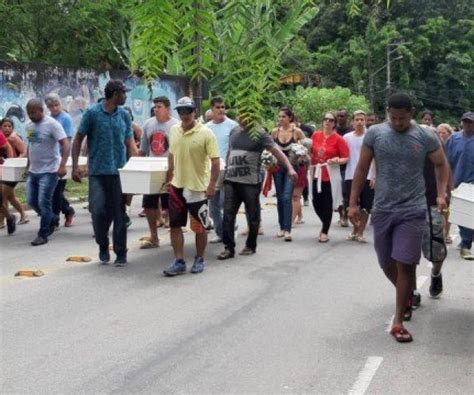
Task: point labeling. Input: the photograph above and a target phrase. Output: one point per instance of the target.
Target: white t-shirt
(354, 142)
(43, 146)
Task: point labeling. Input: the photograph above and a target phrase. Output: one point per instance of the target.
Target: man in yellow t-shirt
(192, 147)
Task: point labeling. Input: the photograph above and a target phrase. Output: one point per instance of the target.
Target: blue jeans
(466, 237)
(107, 205)
(216, 206)
(40, 190)
(284, 192)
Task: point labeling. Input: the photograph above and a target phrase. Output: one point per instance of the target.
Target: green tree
(66, 32)
(349, 49)
(245, 66)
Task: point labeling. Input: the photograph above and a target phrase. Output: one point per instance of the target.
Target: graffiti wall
(78, 89)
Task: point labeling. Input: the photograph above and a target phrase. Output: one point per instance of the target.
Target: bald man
(46, 165)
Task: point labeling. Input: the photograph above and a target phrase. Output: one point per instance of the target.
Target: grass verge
(75, 192)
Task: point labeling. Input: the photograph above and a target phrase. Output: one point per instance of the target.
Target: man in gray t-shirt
(241, 184)
(155, 143)
(400, 159)
(45, 135)
(399, 148)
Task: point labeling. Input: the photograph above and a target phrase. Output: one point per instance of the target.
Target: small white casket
(144, 175)
(14, 169)
(82, 163)
(462, 206)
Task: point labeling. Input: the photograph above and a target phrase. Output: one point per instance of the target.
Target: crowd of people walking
(398, 174)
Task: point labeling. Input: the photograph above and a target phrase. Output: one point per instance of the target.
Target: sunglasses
(185, 110)
(329, 119)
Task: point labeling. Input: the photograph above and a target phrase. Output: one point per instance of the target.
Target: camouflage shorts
(433, 245)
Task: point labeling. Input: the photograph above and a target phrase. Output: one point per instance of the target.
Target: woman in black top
(284, 135)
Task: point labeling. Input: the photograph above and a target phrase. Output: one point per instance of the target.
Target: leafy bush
(310, 104)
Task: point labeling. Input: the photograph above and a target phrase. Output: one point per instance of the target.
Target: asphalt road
(299, 317)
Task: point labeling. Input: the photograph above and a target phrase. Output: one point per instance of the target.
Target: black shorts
(178, 211)
(366, 199)
(152, 201)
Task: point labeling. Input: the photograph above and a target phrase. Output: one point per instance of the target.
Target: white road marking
(365, 376)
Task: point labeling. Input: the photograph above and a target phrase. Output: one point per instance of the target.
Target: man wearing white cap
(192, 145)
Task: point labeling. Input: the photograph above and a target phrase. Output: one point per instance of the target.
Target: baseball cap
(185, 102)
(468, 116)
(116, 85)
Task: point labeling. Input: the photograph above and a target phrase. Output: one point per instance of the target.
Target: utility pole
(371, 89)
(388, 88)
(371, 83)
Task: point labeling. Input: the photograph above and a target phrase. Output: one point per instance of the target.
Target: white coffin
(82, 162)
(143, 175)
(462, 206)
(14, 169)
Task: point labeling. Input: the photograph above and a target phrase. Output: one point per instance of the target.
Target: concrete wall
(78, 89)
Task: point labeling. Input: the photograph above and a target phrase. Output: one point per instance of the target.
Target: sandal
(400, 334)
(351, 237)
(361, 239)
(323, 239)
(148, 244)
(226, 254)
(23, 221)
(299, 221)
(145, 238)
(280, 233)
(343, 223)
(247, 251)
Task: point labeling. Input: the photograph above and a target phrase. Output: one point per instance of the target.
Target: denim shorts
(398, 236)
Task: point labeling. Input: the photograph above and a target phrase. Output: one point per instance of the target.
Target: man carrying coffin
(108, 128)
(193, 147)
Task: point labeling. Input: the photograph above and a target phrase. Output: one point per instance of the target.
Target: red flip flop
(400, 334)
